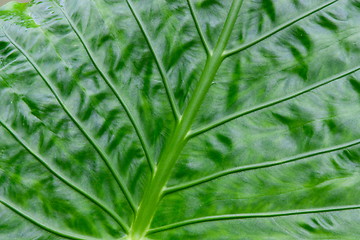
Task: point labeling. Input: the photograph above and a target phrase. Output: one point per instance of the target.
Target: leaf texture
(192, 119)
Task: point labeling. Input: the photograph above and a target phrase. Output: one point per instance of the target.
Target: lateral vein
(239, 114)
(120, 182)
(276, 30)
(198, 28)
(234, 170)
(62, 178)
(252, 215)
(103, 155)
(43, 226)
(165, 80)
(107, 80)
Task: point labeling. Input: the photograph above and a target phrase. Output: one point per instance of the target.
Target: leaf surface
(173, 119)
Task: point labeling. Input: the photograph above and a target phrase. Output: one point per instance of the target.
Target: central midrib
(178, 139)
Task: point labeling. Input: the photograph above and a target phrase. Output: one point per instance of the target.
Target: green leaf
(191, 119)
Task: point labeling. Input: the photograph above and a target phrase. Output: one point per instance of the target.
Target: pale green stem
(178, 139)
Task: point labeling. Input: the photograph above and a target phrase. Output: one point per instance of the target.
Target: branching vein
(181, 134)
(43, 226)
(234, 116)
(252, 215)
(98, 149)
(64, 179)
(178, 138)
(278, 29)
(198, 28)
(106, 78)
(260, 166)
(169, 93)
